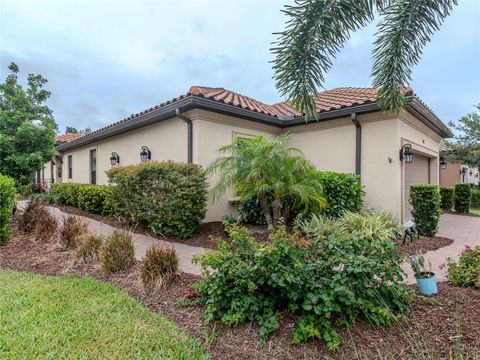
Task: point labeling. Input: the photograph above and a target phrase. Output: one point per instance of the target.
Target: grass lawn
(475, 212)
(44, 317)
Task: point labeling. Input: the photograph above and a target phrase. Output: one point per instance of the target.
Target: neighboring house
(451, 174)
(352, 136)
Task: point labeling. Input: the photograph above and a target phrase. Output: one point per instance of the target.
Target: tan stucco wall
(212, 130)
(450, 175)
(167, 140)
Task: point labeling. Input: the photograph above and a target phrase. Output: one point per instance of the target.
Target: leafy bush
(32, 214)
(89, 247)
(425, 200)
(72, 230)
(475, 202)
(95, 199)
(467, 271)
(447, 195)
(160, 265)
(7, 200)
(46, 227)
(118, 253)
(462, 198)
(343, 192)
(326, 280)
(169, 197)
(318, 226)
(372, 225)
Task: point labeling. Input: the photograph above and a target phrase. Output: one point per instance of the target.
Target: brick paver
(465, 230)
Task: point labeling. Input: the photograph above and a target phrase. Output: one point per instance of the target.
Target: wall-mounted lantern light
(114, 159)
(406, 153)
(470, 173)
(145, 154)
(443, 163)
(464, 170)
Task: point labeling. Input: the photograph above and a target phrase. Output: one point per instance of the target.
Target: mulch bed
(432, 326)
(423, 244)
(206, 238)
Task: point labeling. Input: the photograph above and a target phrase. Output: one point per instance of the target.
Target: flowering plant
(465, 272)
(417, 262)
(189, 297)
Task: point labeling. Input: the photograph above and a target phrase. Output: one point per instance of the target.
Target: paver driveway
(465, 230)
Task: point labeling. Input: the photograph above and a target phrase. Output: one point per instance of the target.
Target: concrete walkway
(142, 242)
(465, 230)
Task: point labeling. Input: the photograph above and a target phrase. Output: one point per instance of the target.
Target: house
(451, 174)
(389, 152)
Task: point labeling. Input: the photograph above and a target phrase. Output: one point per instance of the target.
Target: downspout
(358, 144)
(189, 123)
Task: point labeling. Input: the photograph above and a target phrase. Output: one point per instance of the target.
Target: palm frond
(405, 29)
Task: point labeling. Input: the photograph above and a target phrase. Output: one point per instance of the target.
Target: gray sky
(107, 59)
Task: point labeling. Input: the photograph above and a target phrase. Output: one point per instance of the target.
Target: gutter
(189, 123)
(358, 144)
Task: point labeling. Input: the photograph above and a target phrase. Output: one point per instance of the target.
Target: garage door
(417, 172)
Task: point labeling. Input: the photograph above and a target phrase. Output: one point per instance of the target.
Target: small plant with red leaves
(189, 297)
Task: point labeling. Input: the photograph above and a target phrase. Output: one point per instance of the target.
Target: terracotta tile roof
(327, 100)
(66, 138)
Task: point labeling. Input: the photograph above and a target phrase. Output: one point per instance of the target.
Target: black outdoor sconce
(464, 170)
(443, 163)
(114, 159)
(471, 173)
(145, 154)
(406, 153)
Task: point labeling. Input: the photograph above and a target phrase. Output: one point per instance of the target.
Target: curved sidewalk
(464, 230)
(142, 242)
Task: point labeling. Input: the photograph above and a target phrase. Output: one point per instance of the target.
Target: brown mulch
(431, 326)
(209, 231)
(423, 244)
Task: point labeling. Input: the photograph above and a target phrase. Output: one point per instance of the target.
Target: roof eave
(417, 108)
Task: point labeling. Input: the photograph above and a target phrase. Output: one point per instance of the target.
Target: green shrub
(95, 199)
(118, 253)
(169, 197)
(31, 215)
(372, 225)
(89, 247)
(425, 200)
(319, 226)
(7, 202)
(73, 228)
(343, 192)
(475, 202)
(46, 227)
(466, 272)
(463, 197)
(160, 265)
(447, 195)
(327, 281)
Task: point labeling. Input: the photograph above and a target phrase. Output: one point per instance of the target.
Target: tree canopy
(73, 130)
(316, 30)
(27, 126)
(466, 147)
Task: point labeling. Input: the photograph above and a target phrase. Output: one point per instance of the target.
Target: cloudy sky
(106, 59)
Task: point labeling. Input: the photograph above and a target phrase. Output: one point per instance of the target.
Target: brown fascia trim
(414, 106)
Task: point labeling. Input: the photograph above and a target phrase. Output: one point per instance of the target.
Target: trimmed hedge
(447, 195)
(463, 197)
(7, 200)
(342, 191)
(170, 198)
(475, 202)
(95, 199)
(425, 200)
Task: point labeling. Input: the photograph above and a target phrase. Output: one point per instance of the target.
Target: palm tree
(266, 168)
(317, 29)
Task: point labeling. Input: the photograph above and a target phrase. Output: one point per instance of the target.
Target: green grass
(44, 317)
(475, 212)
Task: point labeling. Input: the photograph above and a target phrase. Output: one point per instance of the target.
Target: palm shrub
(447, 195)
(7, 200)
(372, 225)
(425, 200)
(325, 280)
(463, 198)
(261, 168)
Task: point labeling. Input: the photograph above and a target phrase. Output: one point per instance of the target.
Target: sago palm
(317, 29)
(267, 168)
